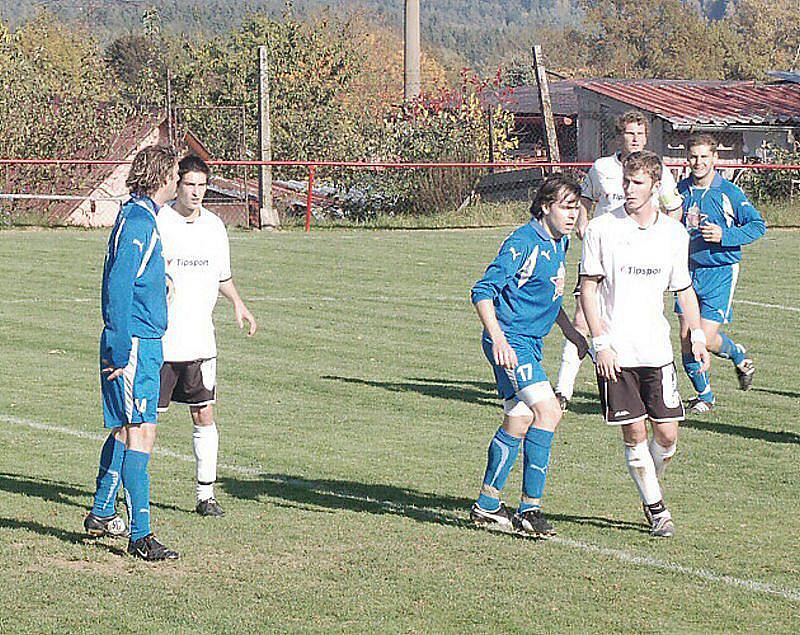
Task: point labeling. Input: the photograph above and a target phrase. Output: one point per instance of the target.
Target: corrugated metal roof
(715, 103)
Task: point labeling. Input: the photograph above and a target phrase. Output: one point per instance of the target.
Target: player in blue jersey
(517, 301)
(720, 220)
(134, 303)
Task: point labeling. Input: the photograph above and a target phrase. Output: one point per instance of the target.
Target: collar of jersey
(716, 182)
(540, 230)
(182, 217)
(148, 203)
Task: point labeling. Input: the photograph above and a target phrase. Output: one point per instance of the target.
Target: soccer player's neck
(186, 212)
(645, 215)
(705, 180)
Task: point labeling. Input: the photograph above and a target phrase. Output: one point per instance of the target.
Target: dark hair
(150, 169)
(643, 160)
(555, 188)
(631, 116)
(701, 139)
(192, 163)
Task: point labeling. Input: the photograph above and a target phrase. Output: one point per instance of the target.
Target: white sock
(643, 472)
(205, 440)
(570, 365)
(661, 455)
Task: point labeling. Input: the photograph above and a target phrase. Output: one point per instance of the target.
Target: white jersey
(637, 266)
(197, 258)
(603, 186)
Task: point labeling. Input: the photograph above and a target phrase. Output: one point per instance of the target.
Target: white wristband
(698, 337)
(601, 342)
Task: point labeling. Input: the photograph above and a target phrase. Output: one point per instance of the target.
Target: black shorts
(189, 383)
(640, 393)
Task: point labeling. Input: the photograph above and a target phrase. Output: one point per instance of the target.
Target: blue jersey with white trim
(725, 205)
(526, 281)
(134, 295)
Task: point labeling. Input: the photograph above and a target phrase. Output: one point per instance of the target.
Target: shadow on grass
(58, 492)
(332, 494)
(745, 432)
(479, 392)
(72, 537)
(780, 393)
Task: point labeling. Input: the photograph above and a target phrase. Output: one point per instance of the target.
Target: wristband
(601, 342)
(698, 337)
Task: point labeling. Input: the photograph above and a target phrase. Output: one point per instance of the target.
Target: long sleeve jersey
(134, 295)
(725, 205)
(526, 281)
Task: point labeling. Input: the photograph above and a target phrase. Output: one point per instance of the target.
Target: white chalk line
(621, 555)
(345, 298)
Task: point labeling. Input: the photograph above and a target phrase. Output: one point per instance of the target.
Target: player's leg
(142, 397)
(503, 448)
(570, 361)
(701, 380)
(537, 446)
(205, 442)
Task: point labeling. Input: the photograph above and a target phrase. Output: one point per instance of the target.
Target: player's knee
(548, 414)
(518, 417)
(666, 438)
(202, 415)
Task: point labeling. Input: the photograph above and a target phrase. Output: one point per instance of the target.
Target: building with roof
(747, 117)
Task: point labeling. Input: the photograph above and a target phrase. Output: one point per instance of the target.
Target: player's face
(701, 161)
(638, 188)
(559, 217)
(634, 138)
(192, 189)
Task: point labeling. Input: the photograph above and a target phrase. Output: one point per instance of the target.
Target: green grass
(356, 423)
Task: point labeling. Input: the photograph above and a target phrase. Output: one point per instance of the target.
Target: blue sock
(503, 452)
(699, 380)
(729, 350)
(136, 481)
(536, 459)
(108, 477)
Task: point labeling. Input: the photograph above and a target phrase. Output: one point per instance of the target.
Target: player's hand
(113, 373)
(711, 233)
(242, 315)
(607, 366)
(504, 355)
(701, 355)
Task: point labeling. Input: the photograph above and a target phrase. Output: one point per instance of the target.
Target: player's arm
(131, 243)
(584, 207)
(668, 195)
(687, 299)
(748, 225)
(502, 352)
(240, 311)
(571, 333)
(605, 358)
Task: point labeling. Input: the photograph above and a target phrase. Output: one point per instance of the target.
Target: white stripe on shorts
(129, 374)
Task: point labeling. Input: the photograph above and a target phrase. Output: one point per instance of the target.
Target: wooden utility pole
(411, 64)
(546, 106)
(267, 215)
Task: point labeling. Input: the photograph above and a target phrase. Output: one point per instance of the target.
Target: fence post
(308, 196)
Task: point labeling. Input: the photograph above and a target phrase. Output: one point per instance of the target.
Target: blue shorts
(528, 371)
(133, 396)
(714, 287)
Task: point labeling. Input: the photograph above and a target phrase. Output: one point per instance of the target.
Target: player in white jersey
(602, 190)
(197, 256)
(631, 256)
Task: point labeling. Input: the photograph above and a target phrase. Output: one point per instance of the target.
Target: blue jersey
(526, 281)
(723, 204)
(134, 297)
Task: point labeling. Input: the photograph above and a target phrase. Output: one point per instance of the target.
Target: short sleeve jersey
(197, 257)
(637, 265)
(603, 186)
(526, 281)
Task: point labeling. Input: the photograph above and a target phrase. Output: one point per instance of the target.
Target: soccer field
(354, 429)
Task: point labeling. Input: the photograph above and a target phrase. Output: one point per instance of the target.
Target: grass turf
(354, 429)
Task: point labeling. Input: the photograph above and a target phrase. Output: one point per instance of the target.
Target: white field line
(626, 557)
(325, 298)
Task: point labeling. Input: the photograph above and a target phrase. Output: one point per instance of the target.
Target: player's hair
(192, 163)
(150, 169)
(631, 116)
(643, 160)
(701, 139)
(555, 188)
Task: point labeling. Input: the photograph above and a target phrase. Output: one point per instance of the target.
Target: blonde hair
(150, 169)
(643, 160)
(631, 116)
